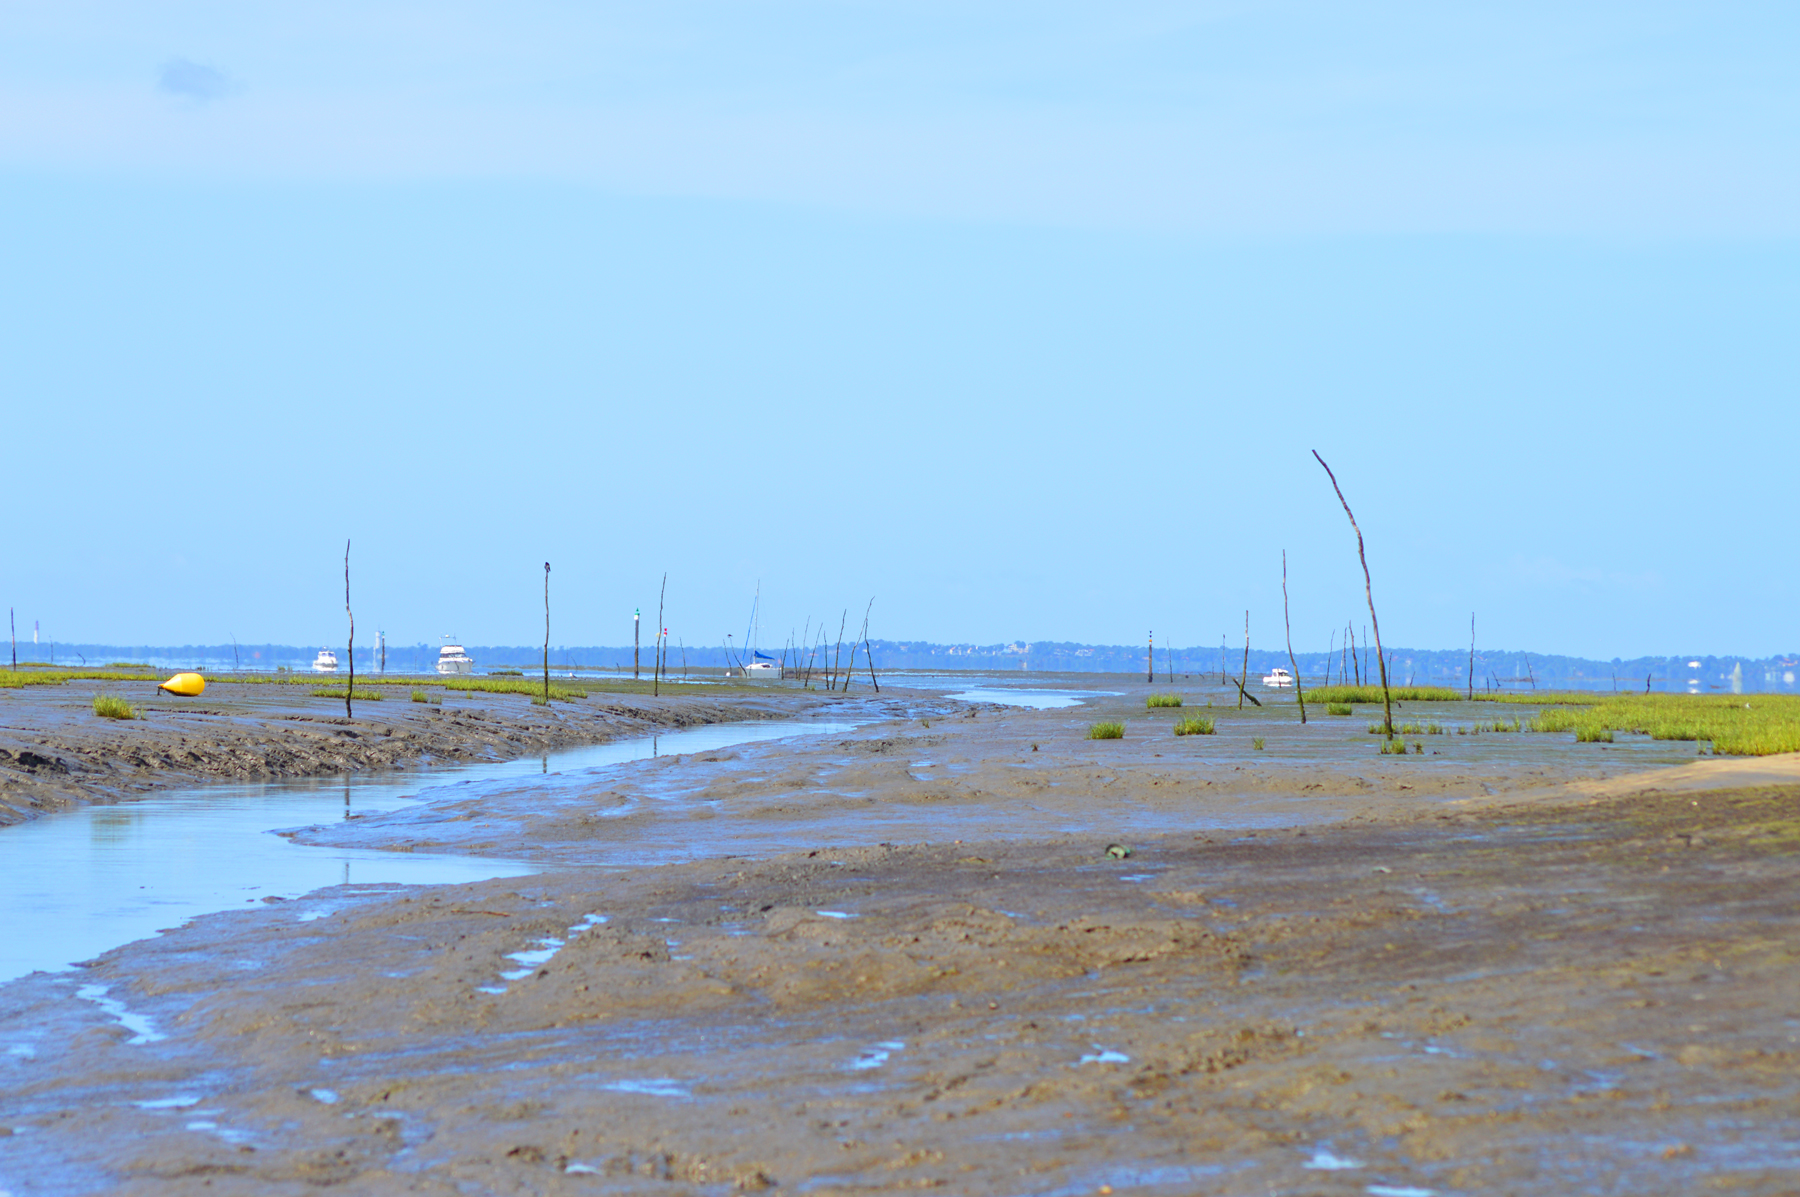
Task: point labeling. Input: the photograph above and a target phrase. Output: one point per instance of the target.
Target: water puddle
(143, 1030)
(1036, 700)
(89, 880)
(1102, 1055)
(876, 1056)
(548, 947)
(652, 1087)
(1323, 1160)
(531, 959)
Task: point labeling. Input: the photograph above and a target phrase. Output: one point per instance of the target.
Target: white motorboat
(1278, 677)
(325, 662)
(453, 659)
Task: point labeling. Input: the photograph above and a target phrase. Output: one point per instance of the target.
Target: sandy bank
(1590, 998)
(56, 753)
(1504, 969)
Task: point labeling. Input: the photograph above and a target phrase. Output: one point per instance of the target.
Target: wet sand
(1509, 968)
(56, 753)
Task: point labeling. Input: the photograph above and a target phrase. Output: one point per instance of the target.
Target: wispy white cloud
(1285, 117)
(195, 81)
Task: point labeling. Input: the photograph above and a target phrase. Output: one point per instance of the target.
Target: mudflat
(55, 752)
(1163, 965)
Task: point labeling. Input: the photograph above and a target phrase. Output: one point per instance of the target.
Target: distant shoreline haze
(1494, 669)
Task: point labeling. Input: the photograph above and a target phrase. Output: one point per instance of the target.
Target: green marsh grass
(1371, 695)
(1163, 700)
(1194, 725)
(1734, 724)
(427, 696)
(17, 679)
(111, 706)
(1256, 742)
(1107, 731)
(361, 694)
(1339, 708)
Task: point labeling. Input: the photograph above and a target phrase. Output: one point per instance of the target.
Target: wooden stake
(546, 633)
(1369, 592)
(1472, 660)
(350, 649)
(838, 661)
(1245, 680)
(868, 653)
(1150, 661)
(1299, 690)
(656, 685)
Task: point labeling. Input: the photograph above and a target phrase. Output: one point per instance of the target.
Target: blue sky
(1021, 319)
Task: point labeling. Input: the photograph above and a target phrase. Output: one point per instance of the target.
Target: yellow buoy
(188, 685)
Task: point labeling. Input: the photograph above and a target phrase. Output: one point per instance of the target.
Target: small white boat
(325, 662)
(452, 659)
(1278, 677)
(761, 668)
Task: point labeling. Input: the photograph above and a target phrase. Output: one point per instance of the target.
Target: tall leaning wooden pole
(1368, 591)
(350, 649)
(1288, 626)
(546, 633)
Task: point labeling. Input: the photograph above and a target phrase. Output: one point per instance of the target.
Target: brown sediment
(1568, 988)
(55, 753)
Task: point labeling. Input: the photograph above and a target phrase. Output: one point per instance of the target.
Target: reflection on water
(76, 884)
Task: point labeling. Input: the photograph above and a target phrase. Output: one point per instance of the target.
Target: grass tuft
(427, 696)
(111, 706)
(1339, 708)
(1107, 731)
(361, 694)
(1194, 725)
(1371, 695)
(1163, 700)
(1256, 742)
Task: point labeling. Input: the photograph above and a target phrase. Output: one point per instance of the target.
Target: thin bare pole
(1387, 702)
(838, 661)
(868, 654)
(350, 649)
(656, 684)
(1245, 680)
(1472, 660)
(546, 633)
(1299, 690)
(1330, 652)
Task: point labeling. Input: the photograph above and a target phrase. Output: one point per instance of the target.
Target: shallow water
(77, 884)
